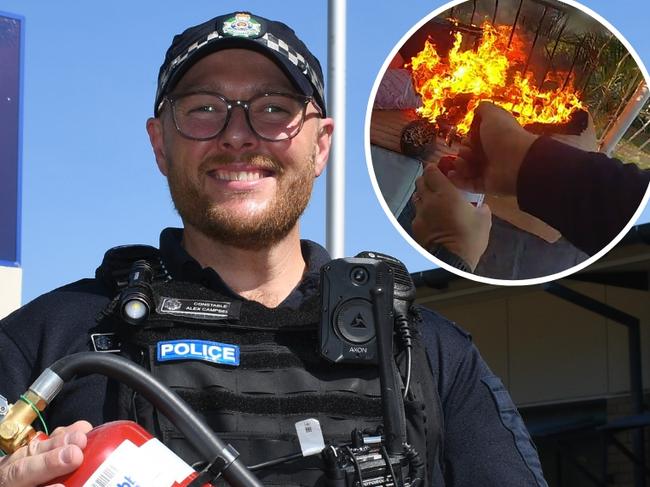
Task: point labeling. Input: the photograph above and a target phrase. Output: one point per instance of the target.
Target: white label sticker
(170, 468)
(310, 437)
(151, 465)
(115, 471)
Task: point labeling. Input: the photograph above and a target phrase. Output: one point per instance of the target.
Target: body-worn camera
(348, 323)
(358, 319)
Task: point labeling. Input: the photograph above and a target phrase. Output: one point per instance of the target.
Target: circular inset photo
(509, 140)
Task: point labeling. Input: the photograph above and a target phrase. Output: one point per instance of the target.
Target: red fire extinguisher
(123, 454)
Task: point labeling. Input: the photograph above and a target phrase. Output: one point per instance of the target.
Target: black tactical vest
(280, 380)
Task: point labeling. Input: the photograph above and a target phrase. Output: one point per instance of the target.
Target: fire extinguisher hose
(197, 432)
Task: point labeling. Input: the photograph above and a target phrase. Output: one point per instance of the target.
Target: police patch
(203, 350)
(242, 25)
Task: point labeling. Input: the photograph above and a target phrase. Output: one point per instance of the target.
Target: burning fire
(451, 88)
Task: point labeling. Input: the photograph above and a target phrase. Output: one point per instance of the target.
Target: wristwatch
(417, 137)
(448, 257)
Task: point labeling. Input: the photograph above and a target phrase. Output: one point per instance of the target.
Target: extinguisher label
(115, 471)
(106, 476)
(150, 465)
(168, 466)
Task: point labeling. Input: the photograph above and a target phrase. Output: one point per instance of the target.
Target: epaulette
(116, 265)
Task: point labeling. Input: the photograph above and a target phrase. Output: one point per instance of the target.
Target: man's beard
(251, 232)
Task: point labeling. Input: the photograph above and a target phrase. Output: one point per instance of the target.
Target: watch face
(417, 138)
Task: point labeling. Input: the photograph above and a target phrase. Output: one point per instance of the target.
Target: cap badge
(242, 25)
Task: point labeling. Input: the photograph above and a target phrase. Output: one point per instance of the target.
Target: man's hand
(443, 216)
(504, 144)
(43, 461)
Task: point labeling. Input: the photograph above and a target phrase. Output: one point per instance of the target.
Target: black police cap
(245, 31)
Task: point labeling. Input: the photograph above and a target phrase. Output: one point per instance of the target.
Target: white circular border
(410, 240)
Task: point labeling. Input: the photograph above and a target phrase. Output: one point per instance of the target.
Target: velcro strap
(307, 404)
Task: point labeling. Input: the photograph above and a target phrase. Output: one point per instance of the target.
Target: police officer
(240, 131)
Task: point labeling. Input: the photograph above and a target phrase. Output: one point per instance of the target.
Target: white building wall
(548, 350)
(10, 287)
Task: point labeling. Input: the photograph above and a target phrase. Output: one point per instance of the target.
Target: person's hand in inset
(42, 461)
(490, 158)
(444, 217)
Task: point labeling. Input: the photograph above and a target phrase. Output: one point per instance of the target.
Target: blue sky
(89, 177)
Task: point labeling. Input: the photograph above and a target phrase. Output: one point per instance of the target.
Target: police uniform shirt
(484, 441)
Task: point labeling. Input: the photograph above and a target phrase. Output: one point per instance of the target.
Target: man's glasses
(272, 116)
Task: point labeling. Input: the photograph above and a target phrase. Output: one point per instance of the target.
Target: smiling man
(241, 170)
(240, 131)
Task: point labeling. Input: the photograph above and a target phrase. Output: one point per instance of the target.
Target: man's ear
(323, 144)
(155, 131)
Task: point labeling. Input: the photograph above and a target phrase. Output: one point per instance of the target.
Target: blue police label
(206, 351)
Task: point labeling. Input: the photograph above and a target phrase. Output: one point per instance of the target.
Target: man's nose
(238, 134)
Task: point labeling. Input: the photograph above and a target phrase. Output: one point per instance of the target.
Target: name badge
(199, 309)
(203, 350)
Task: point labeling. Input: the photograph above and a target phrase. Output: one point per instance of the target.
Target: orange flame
(452, 88)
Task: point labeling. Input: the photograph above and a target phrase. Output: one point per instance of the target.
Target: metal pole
(636, 381)
(573, 63)
(336, 36)
(550, 59)
(644, 144)
(631, 110)
(645, 125)
(532, 48)
(604, 442)
(514, 24)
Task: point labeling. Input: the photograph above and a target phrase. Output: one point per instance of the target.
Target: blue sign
(11, 44)
(206, 351)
